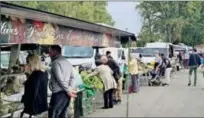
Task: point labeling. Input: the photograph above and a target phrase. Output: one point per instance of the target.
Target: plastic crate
(88, 104)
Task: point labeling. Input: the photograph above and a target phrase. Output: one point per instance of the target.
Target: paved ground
(176, 100)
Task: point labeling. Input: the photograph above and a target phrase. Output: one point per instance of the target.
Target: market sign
(18, 30)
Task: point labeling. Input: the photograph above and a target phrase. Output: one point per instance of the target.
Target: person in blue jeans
(194, 63)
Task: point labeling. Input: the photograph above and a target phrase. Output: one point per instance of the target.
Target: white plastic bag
(70, 110)
(77, 79)
(201, 68)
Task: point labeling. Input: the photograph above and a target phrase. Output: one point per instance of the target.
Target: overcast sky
(125, 16)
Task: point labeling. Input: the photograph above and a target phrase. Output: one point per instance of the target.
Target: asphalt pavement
(176, 100)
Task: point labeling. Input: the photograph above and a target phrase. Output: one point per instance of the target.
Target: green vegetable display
(92, 81)
(91, 86)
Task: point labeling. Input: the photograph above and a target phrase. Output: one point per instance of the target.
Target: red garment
(20, 26)
(130, 89)
(38, 25)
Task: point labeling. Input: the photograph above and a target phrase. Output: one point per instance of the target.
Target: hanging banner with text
(22, 31)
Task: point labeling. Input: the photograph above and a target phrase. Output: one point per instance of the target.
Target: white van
(161, 47)
(116, 53)
(85, 56)
(80, 55)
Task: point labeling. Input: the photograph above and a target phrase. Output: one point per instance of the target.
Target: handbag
(201, 68)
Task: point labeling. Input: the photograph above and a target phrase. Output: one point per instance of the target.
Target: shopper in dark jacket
(116, 73)
(114, 66)
(194, 63)
(35, 95)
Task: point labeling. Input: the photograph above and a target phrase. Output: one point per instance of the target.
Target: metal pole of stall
(127, 84)
(0, 56)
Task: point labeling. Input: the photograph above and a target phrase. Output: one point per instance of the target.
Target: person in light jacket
(133, 70)
(105, 73)
(61, 84)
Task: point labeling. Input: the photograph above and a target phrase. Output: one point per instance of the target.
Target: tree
(172, 21)
(193, 31)
(89, 11)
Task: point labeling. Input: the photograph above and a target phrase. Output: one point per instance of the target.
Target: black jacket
(35, 95)
(115, 68)
(194, 60)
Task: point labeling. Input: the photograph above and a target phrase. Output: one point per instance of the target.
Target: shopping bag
(77, 79)
(70, 110)
(201, 68)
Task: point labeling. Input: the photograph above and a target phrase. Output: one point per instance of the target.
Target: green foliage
(172, 21)
(89, 11)
(92, 81)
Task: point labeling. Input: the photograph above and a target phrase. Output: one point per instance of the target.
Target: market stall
(12, 79)
(21, 27)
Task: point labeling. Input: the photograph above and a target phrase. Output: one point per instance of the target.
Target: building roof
(44, 16)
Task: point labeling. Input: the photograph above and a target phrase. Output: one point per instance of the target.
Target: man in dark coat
(194, 63)
(114, 66)
(116, 71)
